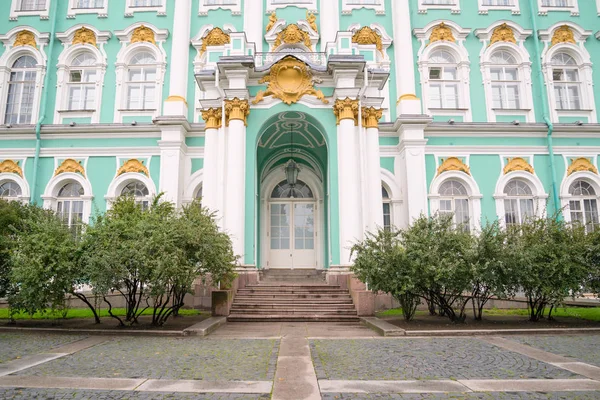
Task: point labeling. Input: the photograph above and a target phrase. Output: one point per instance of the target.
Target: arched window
(21, 91)
(583, 206)
(443, 80)
(518, 204)
(141, 82)
(454, 200)
(139, 192)
(10, 190)
(69, 206)
(82, 82)
(505, 81)
(299, 191)
(567, 83)
(387, 209)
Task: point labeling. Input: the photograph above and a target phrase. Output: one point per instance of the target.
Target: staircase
(292, 295)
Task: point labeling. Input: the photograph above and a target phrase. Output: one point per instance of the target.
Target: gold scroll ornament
(10, 167)
(517, 164)
(453, 164)
(70, 165)
(289, 80)
(133, 165)
(215, 37)
(84, 35)
(581, 164)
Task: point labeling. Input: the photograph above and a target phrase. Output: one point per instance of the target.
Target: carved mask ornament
(441, 32)
(216, 37)
(366, 35)
(143, 34)
(25, 38)
(292, 34)
(503, 33)
(84, 36)
(563, 34)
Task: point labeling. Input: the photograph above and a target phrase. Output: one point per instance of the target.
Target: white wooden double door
(292, 234)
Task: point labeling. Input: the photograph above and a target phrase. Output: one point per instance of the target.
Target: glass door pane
(280, 226)
(304, 227)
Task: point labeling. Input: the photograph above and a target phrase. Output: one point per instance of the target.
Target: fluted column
(176, 103)
(374, 216)
(210, 187)
(236, 113)
(346, 112)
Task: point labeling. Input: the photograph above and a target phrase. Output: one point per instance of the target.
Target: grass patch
(80, 313)
(396, 312)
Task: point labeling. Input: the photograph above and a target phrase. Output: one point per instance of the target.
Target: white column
(329, 21)
(235, 177)
(253, 22)
(210, 187)
(176, 103)
(404, 60)
(374, 218)
(412, 159)
(350, 197)
(171, 161)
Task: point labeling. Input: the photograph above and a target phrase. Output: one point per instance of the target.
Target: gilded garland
(289, 80)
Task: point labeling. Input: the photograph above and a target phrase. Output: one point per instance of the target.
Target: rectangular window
(503, 5)
(146, 3)
(90, 4)
(567, 91)
(19, 104)
(141, 89)
(505, 88)
(572, 6)
(387, 216)
(32, 5)
(82, 90)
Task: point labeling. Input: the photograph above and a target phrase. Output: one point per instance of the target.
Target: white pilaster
(235, 186)
(373, 184)
(404, 60)
(176, 103)
(210, 187)
(329, 22)
(412, 160)
(253, 23)
(172, 150)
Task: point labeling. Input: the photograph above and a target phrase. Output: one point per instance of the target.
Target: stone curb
(497, 332)
(382, 327)
(116, 332)
(206, 327)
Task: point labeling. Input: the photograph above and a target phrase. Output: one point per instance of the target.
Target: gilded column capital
(346, 109)
(213, 118)
(371, 117)
(236, 109)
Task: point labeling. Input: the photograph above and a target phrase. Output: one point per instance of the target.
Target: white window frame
(474, 196)
(537, 189)
(195, 182)
(51, 198)
(120, 182)
(130, 9)
(350, 5)
(454, 7)
(25, 193)
(74, 10)
(236, 9)
(515, 8)
(8, 59)
(310, 5)
(388, 180)
(573, 7)
(15, 12)
(586, 176)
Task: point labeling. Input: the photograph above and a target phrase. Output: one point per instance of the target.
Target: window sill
(76, 111)
(148, 110)
(511, 110)
(448, 109)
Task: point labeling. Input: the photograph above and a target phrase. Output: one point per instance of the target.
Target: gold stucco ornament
(84, 35)
(371, 117)
(143, 34)
(212, 117)
(453, 164)
(563, 34)
(441, 32)
(10, 167)
(272, 21)
(215, 37)
(366, 35)
(25, 38)
(312, 21)
(346, 109)
(517, 164)
(236, 109)
(581, 164)
(289, 80)
(70, 165)
(503, 33)
(292, 34)
(133, 165)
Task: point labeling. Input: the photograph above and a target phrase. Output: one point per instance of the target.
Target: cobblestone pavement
(468, 396)
(23, 344)
(168, 358)
(431, 358)
(584, 348)
(64, 394)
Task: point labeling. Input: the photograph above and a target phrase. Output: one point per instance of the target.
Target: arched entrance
(293, 218)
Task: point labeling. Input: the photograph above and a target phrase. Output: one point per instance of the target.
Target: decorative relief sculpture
(25, 38)
(366, 35)
(292, 34)
(70, 165)
(441, 32)
(143, 34)
(272, 21)
(10, 167)
(453, 164)
(517, 164)
(503, 33)
(289, 80)
(346, 109)
(213, 118)
(84, 35)
(133, 165)
(563, 34)
(371, 117)
(581, 164)
(216, 37)
(236, 109)
(312, 21)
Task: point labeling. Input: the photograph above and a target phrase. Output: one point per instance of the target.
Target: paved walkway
(294, 361)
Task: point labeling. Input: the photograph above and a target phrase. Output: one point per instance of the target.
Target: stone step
(291, 297)
(282, 285)
(291, 290)
(291, 318)
(277, 306)
(291, 302)
(294, 310)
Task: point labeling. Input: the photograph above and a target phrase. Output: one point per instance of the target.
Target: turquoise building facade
(303, 124)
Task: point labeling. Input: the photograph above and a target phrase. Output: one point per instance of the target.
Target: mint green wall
(430, 171)
(486, 170)
(155, 170)
(46, 169)
(291, 15)
(541, 164)
(100, 172)
(197, 164)
(388, 163)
